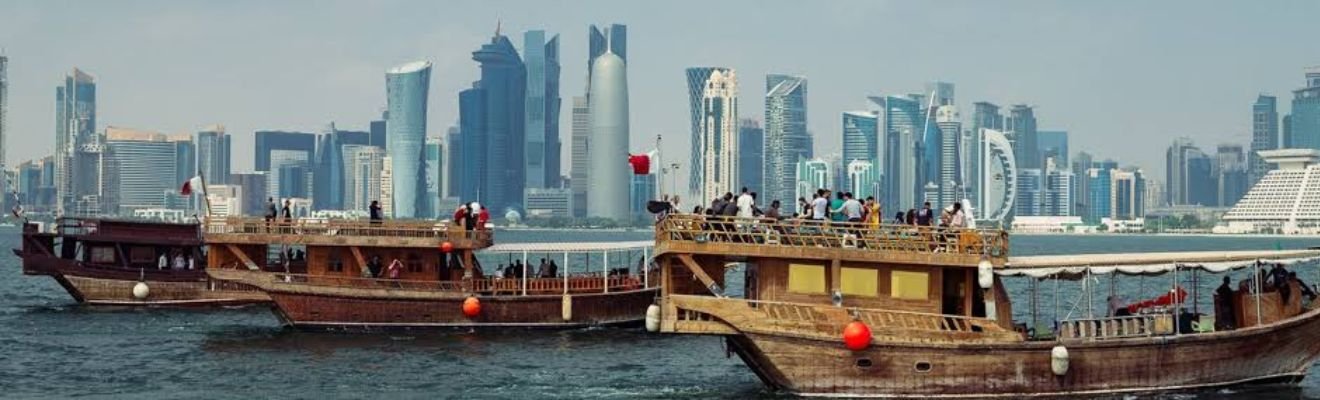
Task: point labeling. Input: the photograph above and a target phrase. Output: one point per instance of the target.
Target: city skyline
(343, 85)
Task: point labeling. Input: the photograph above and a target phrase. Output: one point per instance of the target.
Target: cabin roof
(1073, 266)
(568, 247)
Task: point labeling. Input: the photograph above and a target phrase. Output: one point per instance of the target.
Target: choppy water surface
(51, 347)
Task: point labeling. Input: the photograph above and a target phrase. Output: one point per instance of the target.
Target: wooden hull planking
(816, 367)
(312, 310)
(166, 288)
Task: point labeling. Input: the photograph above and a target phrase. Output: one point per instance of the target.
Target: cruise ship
(1285, 201)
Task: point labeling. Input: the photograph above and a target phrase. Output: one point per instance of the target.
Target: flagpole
(206, 199)
(659, 171)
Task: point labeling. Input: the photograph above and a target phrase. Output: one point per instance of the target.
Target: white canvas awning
(1076, 265)
(569, 247)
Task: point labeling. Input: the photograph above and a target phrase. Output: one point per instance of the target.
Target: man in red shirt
(483, 217)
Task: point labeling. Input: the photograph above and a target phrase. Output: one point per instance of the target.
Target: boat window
(859, 281)
(803, 278)
(335, 264)
(103, 254)
(864, 363)
(142, 255)
(909, 285)
(415, 263)
(922, 366)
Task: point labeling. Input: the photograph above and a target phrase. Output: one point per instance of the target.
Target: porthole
(922, 366)
(864, 363)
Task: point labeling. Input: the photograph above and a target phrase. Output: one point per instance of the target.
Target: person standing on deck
(1225, 315)
(287, 212)
(851, 208)
(773, 212)
(957, 219)
(373, 212)
(874, 213)
(820, 205)
(925, 216)
(745, 204)
(836, 208)
(483, 217)
(271, 212)
(461, 216)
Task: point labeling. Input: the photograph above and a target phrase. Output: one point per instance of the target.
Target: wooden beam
(357, 255)
(242, 256)
(836, 274)
(701, 275)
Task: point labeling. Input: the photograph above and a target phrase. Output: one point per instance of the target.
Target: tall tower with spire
(608, 151)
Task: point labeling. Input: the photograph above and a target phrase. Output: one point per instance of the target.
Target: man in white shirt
(745, 204)
(820, 204)
(852, 209)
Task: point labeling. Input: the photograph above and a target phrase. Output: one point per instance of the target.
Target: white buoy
(141, 291)
(653, 318)
(1059, 360)
(985, 274)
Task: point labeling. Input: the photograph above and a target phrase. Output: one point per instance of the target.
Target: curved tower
(405, 125)
(607, 194)
(998, 186)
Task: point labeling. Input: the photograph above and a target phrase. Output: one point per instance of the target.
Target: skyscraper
(786, 138)
(406, 93)
(641, 189)
(329, 169)
(944, 154)
(137, 159)
(1303, 124)
(276, 150)
(900, 118)
(862, 179)
(492, 122)
(1021, 125)
(942, 93)
(1175, 170)
(77, 146)
(608, 150)
(1053, 144)
(1128, 195)
(715, 140)
(4, 107)
(362, 175)
(751, 158)
(1264, 135)
(542, 109)
(581, 159)
(614, 38)
(811, 175)
(434, 156)
(378, 131)
(985, 115)
(213, 154)
(1230, 174)
(1081, 163)
(861, 136)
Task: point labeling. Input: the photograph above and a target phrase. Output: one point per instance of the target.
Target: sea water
(50, 347)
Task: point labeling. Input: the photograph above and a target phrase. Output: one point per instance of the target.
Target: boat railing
(798, 317)
(346, 227)
(1143, 325)
(802, 233)
(497, 286)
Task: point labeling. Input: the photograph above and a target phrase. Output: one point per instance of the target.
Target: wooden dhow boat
(897, 311)
(128, 263)
(446, 276)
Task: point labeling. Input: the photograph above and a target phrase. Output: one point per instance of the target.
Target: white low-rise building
(1048, 224)
(1123, 225)
(1286, 200)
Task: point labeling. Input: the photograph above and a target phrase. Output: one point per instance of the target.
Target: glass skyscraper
(1021, 125)
(213, 154)
(406, 93)
(615, 37)
(751, 159)
(329, 170)
(492, 126)
(75, 126)
(861, 136)
(542, 109)
(786, 138)
(276, 149)
(1304, 122)
(1053, 144)
(1264, 136)
(810, 175)
(899, 118)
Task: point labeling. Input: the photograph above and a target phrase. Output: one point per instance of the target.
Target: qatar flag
(641, 163)
(190, 185)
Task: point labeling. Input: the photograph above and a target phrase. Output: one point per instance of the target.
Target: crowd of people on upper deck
(825, 205)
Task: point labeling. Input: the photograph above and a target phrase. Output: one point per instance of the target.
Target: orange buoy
(856, 336)
(472, 307)
(446, 247)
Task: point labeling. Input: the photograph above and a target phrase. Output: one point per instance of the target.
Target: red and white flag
(641, 163)
(191, 185)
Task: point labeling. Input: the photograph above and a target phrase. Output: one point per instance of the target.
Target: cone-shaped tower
(607, 195)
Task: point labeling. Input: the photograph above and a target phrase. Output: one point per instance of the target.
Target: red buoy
(446, 247)
(856, 336)
(472, 307)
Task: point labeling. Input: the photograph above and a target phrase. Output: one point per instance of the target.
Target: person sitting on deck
(507, 271)
(899, 218)
(1225, 317)
(773, 212)
(179, 262)
(1306, 289)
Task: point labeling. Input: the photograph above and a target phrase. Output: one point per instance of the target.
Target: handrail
(810, 233)
(1142, 325)
(576, 284)
(346, 227)
(784, 315)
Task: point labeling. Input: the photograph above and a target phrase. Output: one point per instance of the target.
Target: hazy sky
(1122, 77)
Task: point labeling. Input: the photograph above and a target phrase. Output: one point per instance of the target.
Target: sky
(1124, 78)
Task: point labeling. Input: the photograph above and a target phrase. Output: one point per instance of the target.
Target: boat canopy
(1075, 266)
(569, 247)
